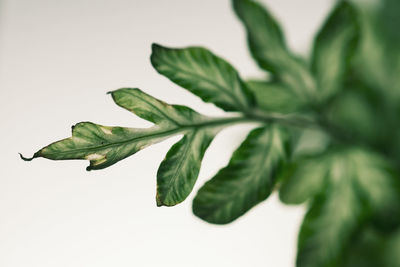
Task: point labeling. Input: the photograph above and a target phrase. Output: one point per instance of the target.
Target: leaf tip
(158, 201)
(28, 159)
(89, 168)
(155, 46)
(114, 92)
(155, 50)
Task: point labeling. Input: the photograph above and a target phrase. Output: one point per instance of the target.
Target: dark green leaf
(392, 255)
(205, 75)
(248, 179)
(274, 97)
(334, 47)
(371, 248)
(354, 115)
(265, 36)
(378, 58)
(389, 14)
(303, 179)
(179, 170)
(356, 188)
(331, 221)
(268, 48)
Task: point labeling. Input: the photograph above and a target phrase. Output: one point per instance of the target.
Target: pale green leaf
(205, 75)
(248, 179)
(333, 49)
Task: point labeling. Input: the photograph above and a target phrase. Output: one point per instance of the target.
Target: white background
(57, 61)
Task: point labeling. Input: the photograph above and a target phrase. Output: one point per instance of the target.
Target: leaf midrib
(180, 164)
(155, 107)
(214, 123)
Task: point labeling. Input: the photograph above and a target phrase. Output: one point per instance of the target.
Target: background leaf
(303, 179)
(372, 248)
(334, 47)
(265, 37)
(268, 48)
(355, 190)
(274, 97)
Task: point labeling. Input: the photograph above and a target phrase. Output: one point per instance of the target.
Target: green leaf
(248, 179)
(265, 37)
(392, 256)
(334, 48)
(371, 248)
(274, 97)
(380, 187)
(302, 180)
(390, 21)
(154, 110)
(356, 189)
(378, 56)
(331, 220)
(367, 249)
(267, 45)
(179, 170)
(205, 75)
(352, 113)
(103, 146)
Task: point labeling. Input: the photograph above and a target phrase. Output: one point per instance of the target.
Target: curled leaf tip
(25, 158)
(89, 168)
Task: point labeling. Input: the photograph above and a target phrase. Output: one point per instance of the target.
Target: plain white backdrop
(57, 61)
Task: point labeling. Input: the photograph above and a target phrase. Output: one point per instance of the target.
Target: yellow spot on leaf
(96, 159)
(106, 130)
